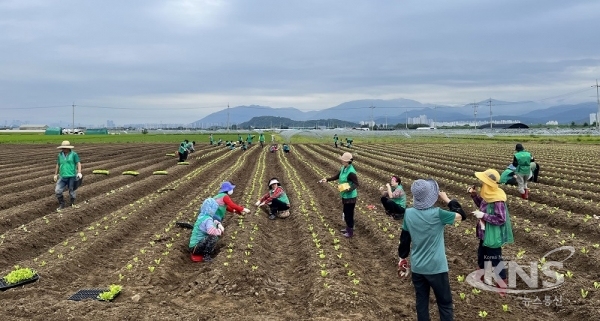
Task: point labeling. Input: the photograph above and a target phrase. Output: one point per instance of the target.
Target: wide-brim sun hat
(346, 157)
(226, 187)
(65, 144)
(425, 193)
(490, 177)
(274, 181)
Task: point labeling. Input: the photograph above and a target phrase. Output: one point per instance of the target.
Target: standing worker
(183, 152)
(261, 139)
(67, 173)
(423, 227)
(335, 140)
(347, 184)
(522, 162)
(212, 140)
(240, 140)
(249, 140)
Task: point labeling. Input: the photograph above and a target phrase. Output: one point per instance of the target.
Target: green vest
(198, 235)
(220, 213)
(182, 148)
(523, 163)
(261, 138)
(344, 172)
(67, 165)
(504, 176)
(401, 201)
(283, 197)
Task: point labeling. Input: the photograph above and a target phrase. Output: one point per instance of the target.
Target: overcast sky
(163, 56)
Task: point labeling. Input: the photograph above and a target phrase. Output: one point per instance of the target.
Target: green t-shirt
(67, 165)
(426, 228)
(401, 201)
(504, 177)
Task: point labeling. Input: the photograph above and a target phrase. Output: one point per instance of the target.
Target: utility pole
(372, 107)
(474, 104)
(228, 117)
(73, 124)
(597, 113)
(490, 112)
(434, 112)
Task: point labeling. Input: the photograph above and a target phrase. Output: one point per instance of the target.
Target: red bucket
(196, 258)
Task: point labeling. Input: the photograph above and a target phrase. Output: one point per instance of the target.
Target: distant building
(552, 123)
(33, 127)
(110, 124)
(592, 118)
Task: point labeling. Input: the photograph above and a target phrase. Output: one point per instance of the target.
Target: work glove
(246, 210)
(403, 268)
(55, 178)
(479, 214)
(257, 203)
(219, 226)
(79, 176)
(323, 180)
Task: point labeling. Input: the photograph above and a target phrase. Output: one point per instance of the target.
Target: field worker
(423, 227)
(244, 146)
(393, 198)
(232, 146)
(347, 185)
(349, 142)
(535, 170)
(494, 227)
(190, 147)
(225, 203)
(212, 140)
(272, 138)
(335, 140)
(249, 139)
(274, 148)
(276, 199)
(206, 232)
(67, 173)
(286, 148)
(219, 142)
(261, 139)
(240, 140)
(522, 162)
(508, 176)
(183, 152)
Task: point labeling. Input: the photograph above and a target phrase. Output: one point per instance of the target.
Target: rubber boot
(349, 232)
(61, 202)
(523, 196)
(72, 201)
(527, 193)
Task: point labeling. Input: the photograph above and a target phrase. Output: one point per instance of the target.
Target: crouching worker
(286, 148)
(393, 198)
(277, 199)
(423, 227)
(508, 176)
(183, 152)
(225, 202)
(206, 232)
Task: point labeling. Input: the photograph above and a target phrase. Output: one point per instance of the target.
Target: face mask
(230, 192)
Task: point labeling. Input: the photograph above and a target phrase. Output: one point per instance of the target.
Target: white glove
(55, 178)
(79, 176)
(220, 226)
(246, 210)
(479, 214)
(323, 180)
(257, 203)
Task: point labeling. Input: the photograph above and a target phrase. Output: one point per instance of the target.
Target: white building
(552, 122)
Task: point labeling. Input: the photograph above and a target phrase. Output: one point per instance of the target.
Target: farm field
(298, 268)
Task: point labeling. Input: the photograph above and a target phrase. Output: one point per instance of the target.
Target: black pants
(206, 246)
(441, 289)
(485, 253)
(391, 207)
(336, 145)
(277, 205)
(262, 144)
(286, 151)
(183, 156)
(512, 181)
(349, 205)
(536, 172)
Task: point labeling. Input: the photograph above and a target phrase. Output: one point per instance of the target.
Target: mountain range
(397, 110)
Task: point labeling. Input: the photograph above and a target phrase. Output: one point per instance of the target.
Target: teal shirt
(67, 165)
(401, 201)
(261, 138)
(504, 177)
(426, 228)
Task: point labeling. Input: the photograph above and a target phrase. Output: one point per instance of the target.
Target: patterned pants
(206, 246)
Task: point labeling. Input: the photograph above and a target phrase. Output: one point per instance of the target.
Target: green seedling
(569, 274)
(324, 273)
(520, 254)
(321, 256)
(476, 291)
(355, 281)
(165, 253)
(72, 248)
(151, 268)
(584, 293)
(51, 251)
(460, 278)
(121, 277)
(157, 261)
(350, 273)
(43, 263)
(129, 266)
(254, 267)
(596, 285)
(143, 251)
(483, 314)
(505, 308)
(135, 259)
(339, 255)
(462, 295)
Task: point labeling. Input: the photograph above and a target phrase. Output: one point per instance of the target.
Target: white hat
(274, 181)
(65, 144)
(346, 157)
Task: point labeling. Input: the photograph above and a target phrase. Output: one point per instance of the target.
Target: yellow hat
(490, 177)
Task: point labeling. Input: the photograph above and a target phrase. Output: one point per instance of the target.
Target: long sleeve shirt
(267, 198)
(231, 206)
(351, 177)
(498, 218)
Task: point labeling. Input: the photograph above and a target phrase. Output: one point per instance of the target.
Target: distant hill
(395, 111)
(279, 122)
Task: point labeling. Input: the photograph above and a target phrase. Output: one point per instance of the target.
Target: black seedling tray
(89, 294)
(5, 286)
(185, 225)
